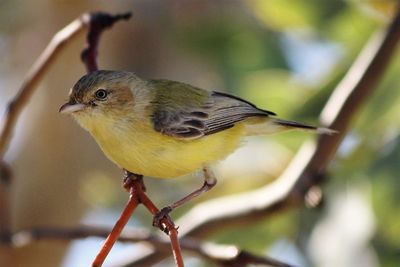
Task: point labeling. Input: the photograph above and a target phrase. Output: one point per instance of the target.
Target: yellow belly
(147, 152)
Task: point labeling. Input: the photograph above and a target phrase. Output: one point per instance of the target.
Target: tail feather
(301, 126)
(273, 125)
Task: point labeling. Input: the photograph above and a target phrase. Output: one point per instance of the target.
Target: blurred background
(284, 55)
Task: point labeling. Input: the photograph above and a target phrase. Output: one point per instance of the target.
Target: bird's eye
(101, 94)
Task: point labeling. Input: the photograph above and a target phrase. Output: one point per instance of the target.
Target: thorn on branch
(98, 22)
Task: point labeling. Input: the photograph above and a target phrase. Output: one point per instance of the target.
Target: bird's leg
(209, 182)
(130, 178)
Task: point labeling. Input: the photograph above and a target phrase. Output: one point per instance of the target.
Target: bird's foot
(160, 216)
(130, 179)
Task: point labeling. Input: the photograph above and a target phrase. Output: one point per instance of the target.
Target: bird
(166, 129)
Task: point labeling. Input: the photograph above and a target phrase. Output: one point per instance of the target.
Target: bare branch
(138, 190)
(227, 255)
(134, 183)
(309, 165)
(99, 22)
(223, 255)
(35, 75)
(130, 207)
(16, 105)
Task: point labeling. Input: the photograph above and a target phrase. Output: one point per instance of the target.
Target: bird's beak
(69, 108)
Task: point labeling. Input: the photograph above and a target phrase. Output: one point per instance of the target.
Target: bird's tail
(292, 125)
(273, 125)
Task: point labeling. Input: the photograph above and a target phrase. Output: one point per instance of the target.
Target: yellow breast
(138, 148)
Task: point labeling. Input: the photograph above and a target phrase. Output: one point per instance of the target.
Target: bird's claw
(127, 183)
(159, 216)
(130, 179)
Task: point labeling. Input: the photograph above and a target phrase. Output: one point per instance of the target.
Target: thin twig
(227, 255)
(308, 166)
(223, 255)
(99, 22)
(118, 227)
(35, 75)
(134, 183)
(170, 227)
(171, 230)
(29, 236)
(17, 104)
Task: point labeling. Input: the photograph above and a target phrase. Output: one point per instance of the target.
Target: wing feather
(218, 112)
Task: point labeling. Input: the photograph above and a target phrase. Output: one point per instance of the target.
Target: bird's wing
(229, 109)
(200, 113)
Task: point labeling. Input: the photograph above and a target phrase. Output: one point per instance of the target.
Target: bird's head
(102, 95)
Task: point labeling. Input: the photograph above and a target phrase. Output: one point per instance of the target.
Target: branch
(35, 75)
(223, 255)
(134, 184)
(308, 166)
(130, 207)
(17, 104)
(227, 255)
(98, 23)
(170, 228)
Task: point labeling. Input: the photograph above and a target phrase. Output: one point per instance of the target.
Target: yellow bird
(164, 128)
